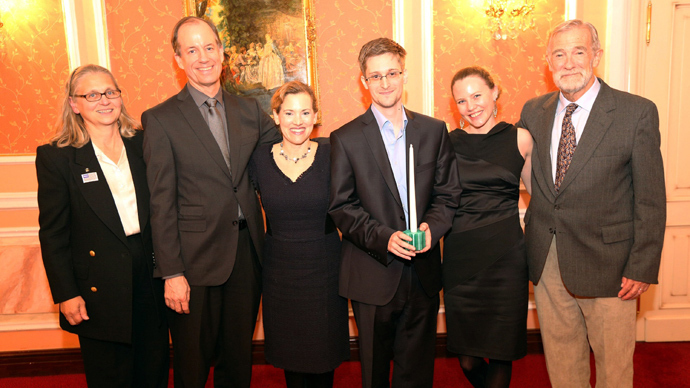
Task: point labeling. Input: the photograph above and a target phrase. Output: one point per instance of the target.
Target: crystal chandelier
(506, 18)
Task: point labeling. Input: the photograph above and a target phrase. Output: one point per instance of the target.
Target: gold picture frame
(266, 44)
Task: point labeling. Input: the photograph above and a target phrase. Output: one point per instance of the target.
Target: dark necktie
(215, 123)
(566, 147)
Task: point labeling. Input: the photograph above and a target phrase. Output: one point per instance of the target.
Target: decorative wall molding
(69, 361)
(570, 9)
(25, 322)
(413, 28)
(6, 160)
(427, 23)
(71, 33)
(617, 44)
(101, 29)
(18, 201)
(399, 22)
(23, 231)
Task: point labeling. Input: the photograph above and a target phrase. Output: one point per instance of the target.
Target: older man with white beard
(595, 224)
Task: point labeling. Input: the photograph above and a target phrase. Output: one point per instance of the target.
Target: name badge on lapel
(90, 177)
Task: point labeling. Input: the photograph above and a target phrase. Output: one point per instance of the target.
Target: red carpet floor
(656, 365)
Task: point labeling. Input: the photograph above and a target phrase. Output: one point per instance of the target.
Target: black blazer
(365, 204)
(83, 244)
(194, 196)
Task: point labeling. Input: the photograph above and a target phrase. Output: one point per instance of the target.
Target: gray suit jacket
(194, 196)
(610, 214)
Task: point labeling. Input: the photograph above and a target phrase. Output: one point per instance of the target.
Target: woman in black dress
(484, 263)
(95, 236)
(305, 320)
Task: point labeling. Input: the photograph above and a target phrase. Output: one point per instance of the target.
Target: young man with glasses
(393, 287)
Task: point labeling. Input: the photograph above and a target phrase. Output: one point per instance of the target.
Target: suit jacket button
(234, 223)
(92, 253)
(94, 289)
(557, 207)
(402, 218)
(234, 189)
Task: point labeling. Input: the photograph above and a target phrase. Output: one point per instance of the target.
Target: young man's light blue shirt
(397, 154)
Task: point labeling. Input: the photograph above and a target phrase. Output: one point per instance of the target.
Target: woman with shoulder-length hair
(484, 260)
(95, 235)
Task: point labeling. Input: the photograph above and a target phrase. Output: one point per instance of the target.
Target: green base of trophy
(418, 239)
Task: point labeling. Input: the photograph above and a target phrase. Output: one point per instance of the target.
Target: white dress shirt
(119, 179)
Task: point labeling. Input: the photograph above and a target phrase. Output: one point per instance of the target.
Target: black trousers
(404, 331)
(220, 326)
(145, 362)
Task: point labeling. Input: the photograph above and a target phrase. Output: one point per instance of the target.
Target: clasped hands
(398, 243)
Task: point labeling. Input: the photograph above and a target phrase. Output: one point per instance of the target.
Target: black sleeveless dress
(485, 275)
(305, 320)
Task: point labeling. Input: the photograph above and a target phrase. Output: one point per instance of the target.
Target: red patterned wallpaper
(342, 27)
(33, 67)
(141, 56)
(34, 63)
(518, 66)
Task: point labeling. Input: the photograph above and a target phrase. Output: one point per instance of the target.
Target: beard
(572, 83)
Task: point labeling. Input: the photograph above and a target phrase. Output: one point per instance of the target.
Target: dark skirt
(305, 320)
(486, 315)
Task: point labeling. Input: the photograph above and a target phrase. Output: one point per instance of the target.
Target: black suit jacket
(366, 206)
(83, 243)
(610, 212)
(194, 196)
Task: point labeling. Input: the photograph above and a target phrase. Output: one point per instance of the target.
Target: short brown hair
(292, 87)
(70, 129)
(475, 71)
(192, 19)
(378, 47)
(572, 24)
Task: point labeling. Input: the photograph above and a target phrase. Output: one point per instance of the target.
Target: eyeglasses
(96, 96)
(376, 78)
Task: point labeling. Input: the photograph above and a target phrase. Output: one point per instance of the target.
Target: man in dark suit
(206, 220)
(394, 289)
(595, 224)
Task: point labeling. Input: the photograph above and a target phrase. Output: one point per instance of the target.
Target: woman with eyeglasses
(484, 260)
(96, 239)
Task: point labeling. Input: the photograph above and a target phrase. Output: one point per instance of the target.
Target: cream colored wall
(659, 72)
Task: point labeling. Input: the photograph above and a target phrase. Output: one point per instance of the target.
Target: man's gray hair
(572, 24)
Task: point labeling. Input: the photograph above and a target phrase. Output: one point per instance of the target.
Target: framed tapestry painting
(267, 43)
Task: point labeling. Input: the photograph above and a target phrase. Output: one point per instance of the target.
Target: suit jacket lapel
(372, 134)
(234, 133)
(197, 124)
(97, 194)
(138, 169)
(598, 123)
(543, 140)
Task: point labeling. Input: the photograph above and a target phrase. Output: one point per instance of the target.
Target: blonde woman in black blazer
(96, 239)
